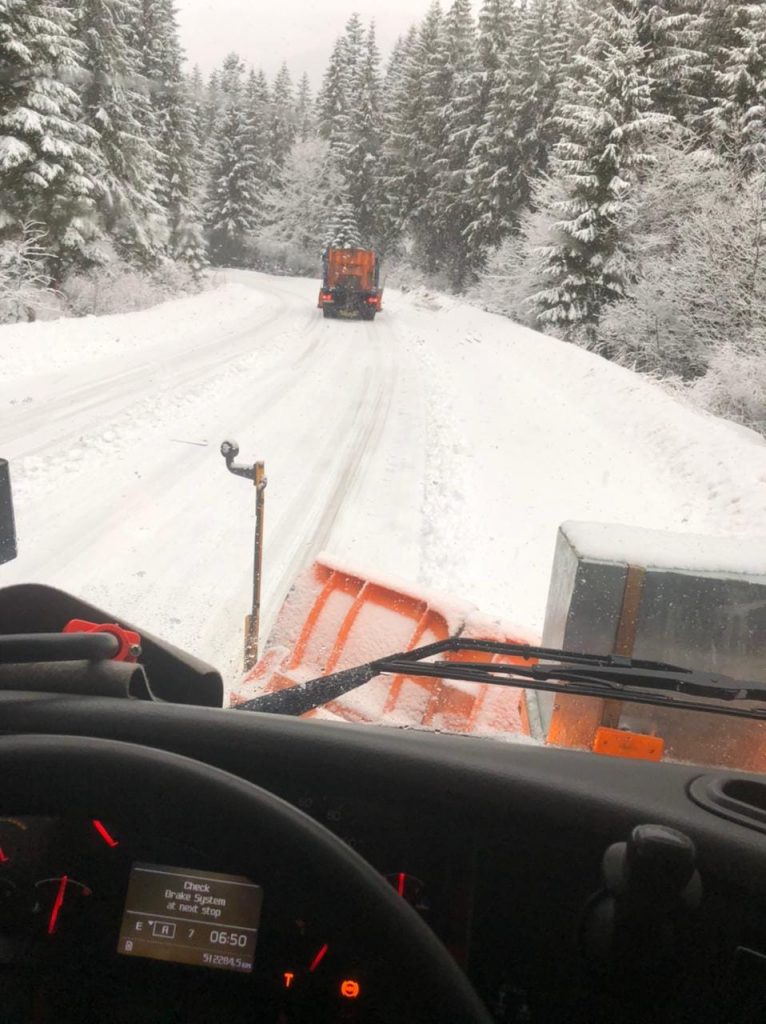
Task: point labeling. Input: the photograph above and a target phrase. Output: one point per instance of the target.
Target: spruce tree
(603, 146)
(257, 143)
(348, 112)
(489, 91)
(408, 162)
(331, 101)
(304, 112)
(49, 161)
(360, 155)
(518, 130)
(394, 152)
(453, 207)
(232, 197)
(213, 105)
(197, 99)
(343, 230)
(426, 219)
(181, 164)
(282, 121)
(231, 77)
(668, 32)
(738, 117)
(111, 93)
(180, 160)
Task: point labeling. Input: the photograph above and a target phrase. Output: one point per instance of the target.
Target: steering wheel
(83, 776)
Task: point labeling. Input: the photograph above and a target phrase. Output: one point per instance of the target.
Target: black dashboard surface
(498, 845)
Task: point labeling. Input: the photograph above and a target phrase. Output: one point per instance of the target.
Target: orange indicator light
(288, 976)
(349, 989)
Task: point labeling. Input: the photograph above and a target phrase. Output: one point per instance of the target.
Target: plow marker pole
(252, 621)
(256, 473)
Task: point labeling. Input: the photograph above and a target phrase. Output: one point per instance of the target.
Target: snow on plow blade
(335, 618)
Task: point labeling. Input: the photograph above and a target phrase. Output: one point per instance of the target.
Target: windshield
(475, 294)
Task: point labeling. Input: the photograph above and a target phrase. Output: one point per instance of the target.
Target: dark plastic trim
(174, 675)
(731, 797)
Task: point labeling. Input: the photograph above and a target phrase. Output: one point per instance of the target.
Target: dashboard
(498, 847)
(85, 915)
(89, 909)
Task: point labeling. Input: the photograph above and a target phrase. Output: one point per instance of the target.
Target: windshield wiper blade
(607, 676)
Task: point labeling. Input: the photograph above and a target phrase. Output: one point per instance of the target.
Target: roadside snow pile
(30, 349)
(526, 432)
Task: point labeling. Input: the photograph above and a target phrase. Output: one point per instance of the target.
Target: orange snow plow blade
(334, 618)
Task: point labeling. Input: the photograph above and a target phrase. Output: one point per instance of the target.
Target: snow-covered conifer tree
(304, 110)
(434, 75)
(410, 118)
(738, 116)
(49, 161)
(343, 231)
(668, 32)
(232, 200)
(604, 127)
(282, 121)
(453, 208)
(332, 98)
(113, 90)
(264, 173)
(394, 153)
(179, 158)
(489, 91)
(359, 158)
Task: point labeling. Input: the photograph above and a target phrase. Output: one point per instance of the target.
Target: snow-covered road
(439, 444)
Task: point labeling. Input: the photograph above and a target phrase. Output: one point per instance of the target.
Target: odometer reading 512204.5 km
(191, 917)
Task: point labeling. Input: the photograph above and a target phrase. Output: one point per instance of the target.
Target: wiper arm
(607, 676)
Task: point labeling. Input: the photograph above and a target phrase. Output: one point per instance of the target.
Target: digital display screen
(191, 917)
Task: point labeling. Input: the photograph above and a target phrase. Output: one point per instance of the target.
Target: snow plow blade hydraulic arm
(586, 675)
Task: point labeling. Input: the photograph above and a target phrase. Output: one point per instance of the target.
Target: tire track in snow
(116, 393)
(152, 413)
(88, 525)
(372, 409)
(160, 534)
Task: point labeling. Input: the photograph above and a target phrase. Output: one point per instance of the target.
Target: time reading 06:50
(191, 917)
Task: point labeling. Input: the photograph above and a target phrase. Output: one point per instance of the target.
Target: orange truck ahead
(350, 283)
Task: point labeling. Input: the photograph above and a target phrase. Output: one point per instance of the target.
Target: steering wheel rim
(43, 774)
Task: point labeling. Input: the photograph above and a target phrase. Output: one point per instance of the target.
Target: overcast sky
(301, 32)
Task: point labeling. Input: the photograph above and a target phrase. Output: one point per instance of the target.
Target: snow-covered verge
(30, 350)
(440, 445)
(26, 292)
(525, 432)
(692, 311)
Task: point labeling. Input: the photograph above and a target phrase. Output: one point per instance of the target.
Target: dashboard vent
(740, 800)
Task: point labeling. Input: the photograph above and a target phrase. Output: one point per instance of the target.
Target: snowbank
(526, 432)
(31, 349)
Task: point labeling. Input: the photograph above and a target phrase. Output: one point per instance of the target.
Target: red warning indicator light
(103, 832)
(318, 958)
(350, 989)
(288, 979)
